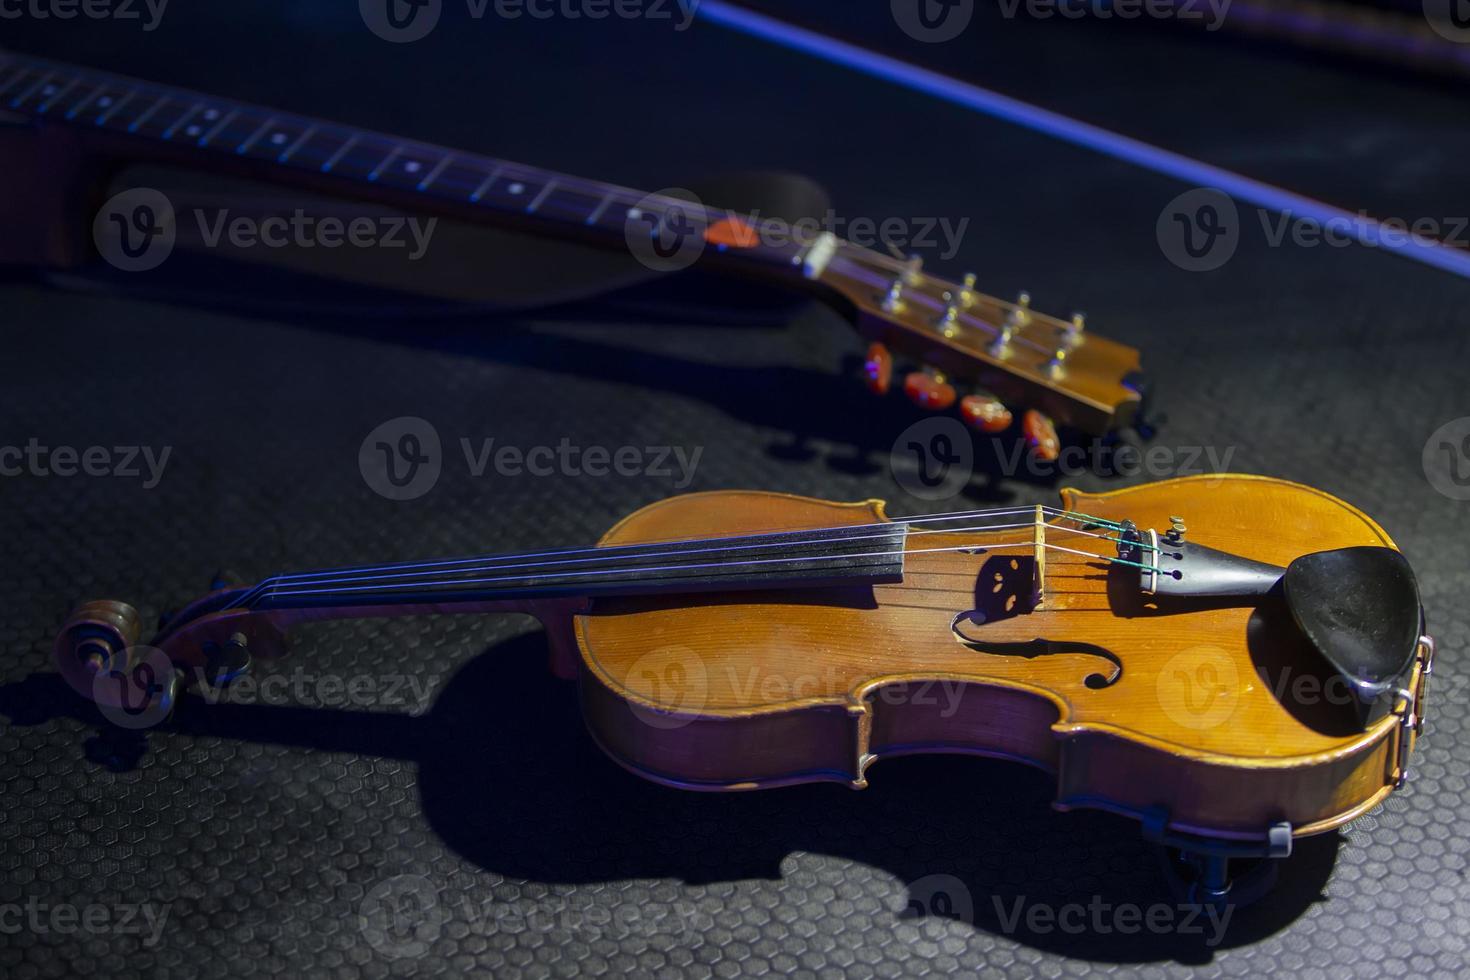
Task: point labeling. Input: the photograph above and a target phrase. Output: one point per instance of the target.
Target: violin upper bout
(715, 513)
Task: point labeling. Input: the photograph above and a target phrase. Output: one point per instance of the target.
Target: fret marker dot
(277, 139)
(635, 213)
(413, 166)
(104, 102)
(211, 114)
(192, 131)
(516, 188)
(49, 90)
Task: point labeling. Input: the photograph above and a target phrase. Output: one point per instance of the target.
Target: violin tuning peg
(928, 389)
(1041, 434)
(879, 369)
(985, 412)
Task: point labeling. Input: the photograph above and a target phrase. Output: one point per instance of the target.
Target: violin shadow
(514, 784)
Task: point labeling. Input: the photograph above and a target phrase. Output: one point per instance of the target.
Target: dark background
(264, 828)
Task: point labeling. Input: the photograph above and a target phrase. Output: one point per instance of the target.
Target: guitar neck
(146, 121)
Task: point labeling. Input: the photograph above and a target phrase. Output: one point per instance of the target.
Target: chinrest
(1359, 607)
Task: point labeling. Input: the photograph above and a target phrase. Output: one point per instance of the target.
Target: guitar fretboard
(481, 185)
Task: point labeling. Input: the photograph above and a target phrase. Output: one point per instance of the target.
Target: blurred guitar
(970, 352)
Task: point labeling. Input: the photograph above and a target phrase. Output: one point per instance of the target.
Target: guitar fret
(259, 132)
(225, 121)
(480, 191)
(433, 175)
(601, 207)
(58, 94)
(147, 114)
(116, 105)
(72, 112)
(20, 73)
(378, 170)
(341, 152)
(169, 132)
(285, 154)
(35, 87)
(545, 192)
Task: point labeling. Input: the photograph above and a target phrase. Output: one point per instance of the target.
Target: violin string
(896, 529)
(475, 564)
(682, 567)
(327, 574)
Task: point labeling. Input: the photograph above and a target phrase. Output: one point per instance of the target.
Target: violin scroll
(100, 637)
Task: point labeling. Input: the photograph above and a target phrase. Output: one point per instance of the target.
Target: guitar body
(1210, 719)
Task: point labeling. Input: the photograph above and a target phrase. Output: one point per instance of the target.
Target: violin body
(755, 690)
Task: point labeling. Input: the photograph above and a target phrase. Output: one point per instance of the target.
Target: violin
(1236, 662)
(998, 364)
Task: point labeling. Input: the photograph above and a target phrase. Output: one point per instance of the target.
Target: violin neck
(145, 121)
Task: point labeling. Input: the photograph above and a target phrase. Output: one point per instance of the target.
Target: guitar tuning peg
(1041, 434)
(985, 412)
(879, 369)
(928, 389)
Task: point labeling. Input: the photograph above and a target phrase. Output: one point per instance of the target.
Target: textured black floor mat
(453, 792)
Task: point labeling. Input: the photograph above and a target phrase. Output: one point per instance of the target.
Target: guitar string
(695, 546)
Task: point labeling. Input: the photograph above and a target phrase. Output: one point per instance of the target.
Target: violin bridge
(1038, 582)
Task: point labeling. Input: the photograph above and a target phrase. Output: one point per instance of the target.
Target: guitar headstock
(986, 355)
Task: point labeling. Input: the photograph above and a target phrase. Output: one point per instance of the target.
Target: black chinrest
(1359, 607)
